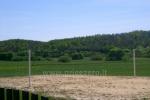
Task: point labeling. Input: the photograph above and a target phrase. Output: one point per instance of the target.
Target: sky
(46, 20)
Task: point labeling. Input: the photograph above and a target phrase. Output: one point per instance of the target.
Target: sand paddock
(84, 87)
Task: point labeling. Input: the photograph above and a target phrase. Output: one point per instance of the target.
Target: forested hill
(16, 45)
(97, 43)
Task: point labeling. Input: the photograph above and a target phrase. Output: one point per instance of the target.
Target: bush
(19, 58)
(115, 54)
(37, 58)
(148, 53)
(23, 53)
(49, 59)
(97, 57)
(64, 59)
(126, 57)
(6, 56)
(77, 56)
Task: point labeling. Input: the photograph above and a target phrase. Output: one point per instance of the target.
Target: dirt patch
(84, 87)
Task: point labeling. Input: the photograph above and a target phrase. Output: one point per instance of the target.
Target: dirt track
(84, 87)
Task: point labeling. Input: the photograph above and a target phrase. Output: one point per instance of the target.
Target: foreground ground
(84, 87)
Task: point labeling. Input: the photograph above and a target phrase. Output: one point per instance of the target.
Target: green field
(115, 68)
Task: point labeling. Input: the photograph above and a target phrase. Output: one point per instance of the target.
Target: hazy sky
(52, 19)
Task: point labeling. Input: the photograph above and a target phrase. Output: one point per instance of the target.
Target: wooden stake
(29, 68)
(134, 63)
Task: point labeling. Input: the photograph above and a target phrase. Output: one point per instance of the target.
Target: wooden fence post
(44, 98)
(34, 96)
(2, 94)
(25, 95)
(16, 95)
(9, 94)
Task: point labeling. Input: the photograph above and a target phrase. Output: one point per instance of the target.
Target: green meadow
(111, 68)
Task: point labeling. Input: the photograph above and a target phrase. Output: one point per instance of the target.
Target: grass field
(114, 68)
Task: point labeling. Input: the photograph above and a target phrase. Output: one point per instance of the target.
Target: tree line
(101, 46)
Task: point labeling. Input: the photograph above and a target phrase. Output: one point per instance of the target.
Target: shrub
(23, 53)
(96, 57)
(64, 59)
(6, 56)
(49, 59)
(19, 58)
(126, 57)
(77, 56)
(148, 53)
(37, 58)
(115, 54)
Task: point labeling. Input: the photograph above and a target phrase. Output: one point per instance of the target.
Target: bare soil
(84, 87)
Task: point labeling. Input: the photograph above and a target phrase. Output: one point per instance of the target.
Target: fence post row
(12, 94)
(2, 94)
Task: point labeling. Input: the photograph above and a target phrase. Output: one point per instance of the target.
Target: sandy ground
(84, 87)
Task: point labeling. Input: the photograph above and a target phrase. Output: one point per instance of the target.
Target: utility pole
(29, 67)
(134, 63)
